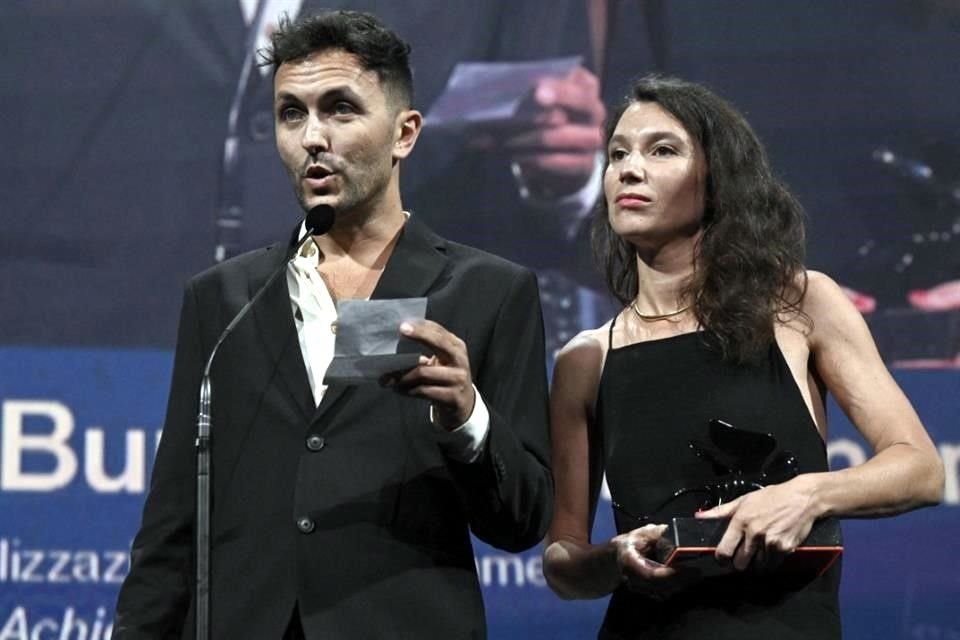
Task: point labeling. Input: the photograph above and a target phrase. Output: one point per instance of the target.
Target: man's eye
(290, 114)
(618, 154)
(343, 108)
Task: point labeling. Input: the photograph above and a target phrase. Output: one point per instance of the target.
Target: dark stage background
(114, 190)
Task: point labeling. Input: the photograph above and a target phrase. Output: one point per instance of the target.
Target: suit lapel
(277, 329)
(417, 261)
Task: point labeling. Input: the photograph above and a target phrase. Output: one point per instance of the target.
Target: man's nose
(315, 138)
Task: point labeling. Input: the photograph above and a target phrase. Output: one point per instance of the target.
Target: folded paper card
(369, 344)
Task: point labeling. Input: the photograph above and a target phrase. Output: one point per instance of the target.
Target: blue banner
(79, 427)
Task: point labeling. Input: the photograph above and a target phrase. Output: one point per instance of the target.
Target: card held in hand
(368, 344)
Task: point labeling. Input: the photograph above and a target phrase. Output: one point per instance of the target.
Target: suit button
(315, 443)
(305, 524)
(501, 468)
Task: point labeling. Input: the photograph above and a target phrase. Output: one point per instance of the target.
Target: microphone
(318, 221)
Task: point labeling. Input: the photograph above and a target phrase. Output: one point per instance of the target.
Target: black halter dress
(654, 398)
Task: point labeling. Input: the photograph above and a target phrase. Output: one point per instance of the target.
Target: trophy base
(690, 543)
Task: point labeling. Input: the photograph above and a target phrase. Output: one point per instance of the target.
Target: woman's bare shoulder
(576, 377)
(813, 292)
(581, 359)
(589, 339)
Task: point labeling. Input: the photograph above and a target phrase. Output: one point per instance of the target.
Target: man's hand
(556, 156)
(443, 378)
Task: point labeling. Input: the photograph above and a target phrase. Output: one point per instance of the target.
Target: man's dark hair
(748, 265)
(361, 34)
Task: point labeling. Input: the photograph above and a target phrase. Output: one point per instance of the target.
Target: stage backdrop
(114, 189)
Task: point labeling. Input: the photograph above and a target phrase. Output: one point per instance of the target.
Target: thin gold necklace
(653, 317)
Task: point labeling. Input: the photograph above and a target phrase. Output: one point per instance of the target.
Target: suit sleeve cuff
(465, 443)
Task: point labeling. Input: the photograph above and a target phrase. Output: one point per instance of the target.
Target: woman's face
(654, 182)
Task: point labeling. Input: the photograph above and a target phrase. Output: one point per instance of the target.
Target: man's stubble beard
(351, 195)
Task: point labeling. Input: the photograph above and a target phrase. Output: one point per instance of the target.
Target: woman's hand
(766, 525)
(639, 571)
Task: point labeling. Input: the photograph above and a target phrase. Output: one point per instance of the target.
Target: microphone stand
(318, 221)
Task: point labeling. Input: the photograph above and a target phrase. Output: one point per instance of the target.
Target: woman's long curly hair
(748, 265)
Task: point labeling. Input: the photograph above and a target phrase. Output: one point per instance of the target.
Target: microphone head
(320, 219)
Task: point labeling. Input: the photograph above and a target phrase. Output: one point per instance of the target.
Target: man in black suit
(344, 511)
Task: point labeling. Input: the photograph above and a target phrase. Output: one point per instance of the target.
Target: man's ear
(407, 130)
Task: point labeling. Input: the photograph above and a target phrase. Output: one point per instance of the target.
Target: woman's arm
(904, 473)
(575, 568)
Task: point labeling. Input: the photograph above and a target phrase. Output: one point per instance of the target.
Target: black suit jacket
(389, 553)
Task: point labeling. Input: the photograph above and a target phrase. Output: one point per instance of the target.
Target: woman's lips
(632, 200)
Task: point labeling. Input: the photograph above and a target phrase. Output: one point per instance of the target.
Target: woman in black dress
(704, 247)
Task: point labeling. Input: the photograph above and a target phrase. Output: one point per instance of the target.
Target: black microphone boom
(318, 221)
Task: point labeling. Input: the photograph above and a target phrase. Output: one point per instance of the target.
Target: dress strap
(610, 334)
